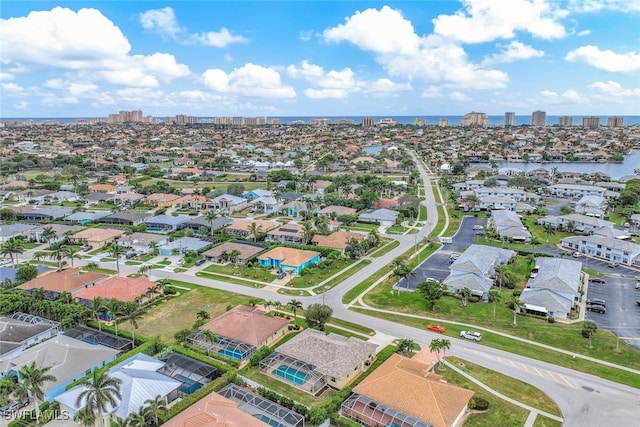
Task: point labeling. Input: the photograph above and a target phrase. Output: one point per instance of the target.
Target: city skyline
(322, 58)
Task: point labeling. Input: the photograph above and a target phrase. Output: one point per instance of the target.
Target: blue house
(289, 259)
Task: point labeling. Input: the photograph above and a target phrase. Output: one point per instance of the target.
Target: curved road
(585, 400)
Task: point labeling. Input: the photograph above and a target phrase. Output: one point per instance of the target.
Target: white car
(577, 254)
(471, 335)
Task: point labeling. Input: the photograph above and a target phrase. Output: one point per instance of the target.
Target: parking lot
(437, 265)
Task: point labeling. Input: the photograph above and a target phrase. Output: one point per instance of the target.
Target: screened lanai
(192, 373)
(263, 409)
(94, 336)
(222, 345)
(371, 413)
(296, 372)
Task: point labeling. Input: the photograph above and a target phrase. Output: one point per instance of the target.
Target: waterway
(614, 170)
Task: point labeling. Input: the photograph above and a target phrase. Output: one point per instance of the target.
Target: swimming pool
(291, 374)
(269, 421)
(233, 353)
(188, 385)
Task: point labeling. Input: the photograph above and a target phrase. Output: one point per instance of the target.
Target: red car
(436, 328)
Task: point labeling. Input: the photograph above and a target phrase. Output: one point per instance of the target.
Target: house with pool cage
(239, 332)
(314, 361)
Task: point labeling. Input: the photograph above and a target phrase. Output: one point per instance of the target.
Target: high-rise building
(443, 123)
(320, 122)
(509, 118)
(615, 121)
(538, 118)
(475, 119)
(344, 122)
(368, 122)
(591, 122)
(419, 122)
(565, 121)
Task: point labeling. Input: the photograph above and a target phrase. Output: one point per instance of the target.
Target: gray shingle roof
(558, 274)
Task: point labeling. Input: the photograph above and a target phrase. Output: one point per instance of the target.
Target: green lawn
(510, 387)
(546, 422)
(338, 278)
(231, 279)
(385, 249)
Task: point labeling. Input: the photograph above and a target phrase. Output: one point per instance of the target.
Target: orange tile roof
(63, 281)
(102, 187)
(246, 324)
(337, 240)
(123, 289)
(162, 197)
(289, 256)
(214, 410)
(98, 234)
(244, 224)
(407, 386)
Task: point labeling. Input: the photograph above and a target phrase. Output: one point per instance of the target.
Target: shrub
(551, 319)
(517, 292)
(478, 404)
(260, 354)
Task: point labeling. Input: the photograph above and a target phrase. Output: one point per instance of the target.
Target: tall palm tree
(40, 255)
(39, 294)
(154, 248)
(32, 379)
(153, 408)
(66, 297)
(307, 232)
(434, 347)
(211, 216)
(210, 337)
(233, 255)
(70, 253)
(466, 293)
(202, 315)
(114, 309)
(115, 250)
(58, 253)
(48, 234)
(131, 312)
(136, 419)
(13, 247)
(97, 307)
(445, 345)
(295, 305)
(494, 297)
(101, 391)
(501, 271)
(255, 229)
(515, 302)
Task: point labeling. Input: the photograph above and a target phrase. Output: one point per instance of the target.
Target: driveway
(437, 265)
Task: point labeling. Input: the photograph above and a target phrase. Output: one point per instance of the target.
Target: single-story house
(165, 223)
(103, 188)
(256, 194)
(44, 214)
(86, 217)
(182, 245)
(128, 198)
(608, 248)
(61, 196)
(191, 201)
(579, 222)
(240, 332)
(124, 289)
(161, 200)
(313, 360)
(60, 230)
(227, 203)
(7, 231)
(57, 282)
(142, 242)
(508, 225)
(96, 237)
(242, 227)
(37, 195)
(295, 209)
(384, 217)
(20, 331)
(247, 251)
(199, 223)
(70, 359)
(140, 381)
(287, 233)
(337, 239)
(336, 211)
(9, 273)
(286, 259)
(125, 218)
(402, 391)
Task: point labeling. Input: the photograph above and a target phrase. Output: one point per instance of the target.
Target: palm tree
(114, 309)
(66, 297)
(495, 295)
(32, 380)
(233, 255)
(97, 307)
(466, 293)
(434, 347)
(13, 247)
(210, 337)
(500, 271)
(154, 248)
(92, 266)
(515, 302)
(210, 217)
(154, 407)
(203, 316)
(48, 234)
(295, 305)
(131, 312)
(70, 253)
(255, 229)
(58, 254)
(85, 418)
(39, 294)
(406, 346)
(445, 345)
(101, 392)
(136, 419)
(307, 232)
(114, 251)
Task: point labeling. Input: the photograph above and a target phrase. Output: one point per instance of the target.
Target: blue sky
(319, 58)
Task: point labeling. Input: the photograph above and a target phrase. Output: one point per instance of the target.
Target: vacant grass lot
(179, 312)
(385, 249)
(510, 387)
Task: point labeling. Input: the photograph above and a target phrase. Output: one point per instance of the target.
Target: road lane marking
(538, 372)
(552, 377)
(512, 364)
(525, 367)
(499, 359)
(569, 383)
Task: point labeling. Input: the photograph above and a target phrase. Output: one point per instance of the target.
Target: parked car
(199, 262)
(577, 254)
(13, 406)
(282, 275)
(638, 301)
(436, 328)
(87, 248)
(637, 285)
(613, 264)
(596, 308)
(599, 280)
(597, 301)
(471, 335)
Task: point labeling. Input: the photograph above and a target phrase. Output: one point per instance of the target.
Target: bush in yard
(260, 354)
(479, 404)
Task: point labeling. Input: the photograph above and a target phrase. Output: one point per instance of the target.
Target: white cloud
(404, 54)
(459, 96)
(12, 89)
(612, 89)
(486, 20)
(85, 42)
(6, 76)
(305, 36)
(325, 93)
(432, 92)
(227, 57)
(583, 33)
(569, 96)
(380, 31)
(22, 105)
(384, 86)
(588, 6)
(514, 51)
(161, 20)
(605, 59)
(249, 80)
(222, 38)
(331, 84)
